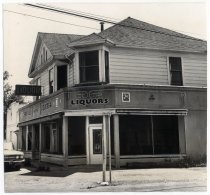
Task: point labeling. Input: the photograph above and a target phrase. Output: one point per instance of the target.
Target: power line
(102, 17)
(80, 12)
(50, 19)
(106, 21)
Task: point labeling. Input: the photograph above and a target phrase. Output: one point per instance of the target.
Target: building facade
(144, 84)
(12, 129)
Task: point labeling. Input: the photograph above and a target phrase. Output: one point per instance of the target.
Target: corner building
(147, 83)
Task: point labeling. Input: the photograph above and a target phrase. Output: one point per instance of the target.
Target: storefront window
(166, 137)
(148, 135)
(36, 141)
(95, 120)
(23, 138)
(52, 137)
(29, 138)
(46, 138)
(76, 137)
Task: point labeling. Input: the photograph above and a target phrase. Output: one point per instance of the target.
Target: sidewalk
(87, 179)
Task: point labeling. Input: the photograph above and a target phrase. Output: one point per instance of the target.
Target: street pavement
(88, 179)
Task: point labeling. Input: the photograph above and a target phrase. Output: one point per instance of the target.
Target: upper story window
(89, 66)
(46, 55)
(38, 82)
(106, 66)
(175, 66)
(44, 59)
(51, 81)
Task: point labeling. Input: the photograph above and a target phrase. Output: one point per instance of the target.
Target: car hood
(12, 152)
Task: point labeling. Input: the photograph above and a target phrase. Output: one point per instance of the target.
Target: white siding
(49, 55)
(45, 82)
(195, 70)
(136, 67)
(71, 75)
(133, 66)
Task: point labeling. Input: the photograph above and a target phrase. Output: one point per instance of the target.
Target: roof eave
(147, 48)
(89, 43)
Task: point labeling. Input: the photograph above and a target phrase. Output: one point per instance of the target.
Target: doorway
(95, 144)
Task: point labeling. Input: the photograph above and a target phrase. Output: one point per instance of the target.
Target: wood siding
(132, 66)
(71, 74)
(45, 82)
(194, 71)
(49, 55)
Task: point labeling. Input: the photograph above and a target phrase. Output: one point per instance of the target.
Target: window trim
(100, 49)
(95, 65)
(169, 69)
(38, 78)
(51, 69)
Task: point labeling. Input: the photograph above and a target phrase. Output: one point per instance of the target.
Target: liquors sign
(89, 97)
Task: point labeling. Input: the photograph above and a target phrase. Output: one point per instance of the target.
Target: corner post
(116, 141)
(65, 140)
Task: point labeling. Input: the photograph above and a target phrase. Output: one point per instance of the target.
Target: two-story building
(147, 83)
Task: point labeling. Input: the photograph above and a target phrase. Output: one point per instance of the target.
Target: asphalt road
(87, 179)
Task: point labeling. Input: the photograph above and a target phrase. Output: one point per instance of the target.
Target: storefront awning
(152, 112)
(41, 120)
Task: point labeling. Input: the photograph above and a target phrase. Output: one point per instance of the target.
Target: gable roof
(134, 33)
(56, 43)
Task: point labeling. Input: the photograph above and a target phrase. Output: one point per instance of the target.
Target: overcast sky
(20, 31)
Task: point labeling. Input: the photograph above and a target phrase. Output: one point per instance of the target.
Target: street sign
(29, 90)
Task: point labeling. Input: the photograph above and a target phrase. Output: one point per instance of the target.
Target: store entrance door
(96, 144)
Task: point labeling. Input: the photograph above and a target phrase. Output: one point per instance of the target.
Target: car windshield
(8, 146)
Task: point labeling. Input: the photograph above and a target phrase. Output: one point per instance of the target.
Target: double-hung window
(175, 67)
(106, 66)
(89, 66)
(38, 82)
(51, 80)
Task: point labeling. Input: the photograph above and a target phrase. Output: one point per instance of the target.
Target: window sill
(90, 84)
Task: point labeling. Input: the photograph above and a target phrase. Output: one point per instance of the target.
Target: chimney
(102, 26)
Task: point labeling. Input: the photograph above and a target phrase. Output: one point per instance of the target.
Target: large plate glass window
(89, 66)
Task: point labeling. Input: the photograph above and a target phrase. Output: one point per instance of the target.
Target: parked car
(12, 158)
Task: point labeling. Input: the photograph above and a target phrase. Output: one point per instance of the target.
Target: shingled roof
(56, 43)
(134, 33)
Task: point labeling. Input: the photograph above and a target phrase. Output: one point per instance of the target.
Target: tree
(9, 98)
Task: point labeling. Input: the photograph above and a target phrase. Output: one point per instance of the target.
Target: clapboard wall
(136, 66)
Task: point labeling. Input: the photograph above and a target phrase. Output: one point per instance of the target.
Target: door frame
(90, 139)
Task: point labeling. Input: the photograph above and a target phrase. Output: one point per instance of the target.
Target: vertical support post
(110, 154)
(181, 130)
(152, 129)
(20, 137)
(65, 140)
(40, 140)
(116, 141)
(33, 142)
(27, 138)
(87, 140)
(104, 147)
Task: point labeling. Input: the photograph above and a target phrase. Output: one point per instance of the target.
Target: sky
(20, 31)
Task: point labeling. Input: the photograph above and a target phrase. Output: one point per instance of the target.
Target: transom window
(89, 66)
(175, 71)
